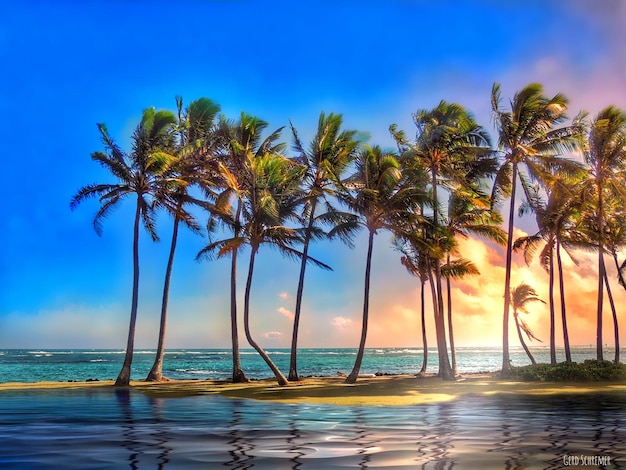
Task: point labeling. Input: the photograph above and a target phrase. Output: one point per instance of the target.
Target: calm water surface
(109, 428)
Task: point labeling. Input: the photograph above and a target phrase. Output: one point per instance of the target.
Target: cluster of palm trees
(446, 182)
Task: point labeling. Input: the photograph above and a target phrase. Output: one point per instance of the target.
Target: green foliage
(588, 371)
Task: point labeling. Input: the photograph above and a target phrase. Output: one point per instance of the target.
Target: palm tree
(415, 263)
(616, 240)
(375, 194)
(326, 159)
(605, 156)
(521, 296)
(193, 128)
(413, 241)
(453, 149)
(273, 196)
(469, 213)
(139, 174)
(527, 138)
(267, 188)
(240, 142)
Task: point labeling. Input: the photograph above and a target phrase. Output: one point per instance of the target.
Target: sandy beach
(400, 390)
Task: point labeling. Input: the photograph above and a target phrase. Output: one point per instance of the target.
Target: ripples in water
(120, 428)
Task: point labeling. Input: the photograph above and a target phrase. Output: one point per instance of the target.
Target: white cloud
(283, 295)
(342, 322)
(272, 335)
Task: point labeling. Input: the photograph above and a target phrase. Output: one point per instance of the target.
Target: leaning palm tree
(269, 193)
(138, 173)
(193, 129)
(455, 269)
(415, 263)
(469, 213)
(614, 237)
(555, 222)
(521, 296)
(616, 240)
(240, 141)
(272, 198)
(416, 246)
(374, 192)
(326, 159)
(605, 156)
(527, 138)
(454, 150)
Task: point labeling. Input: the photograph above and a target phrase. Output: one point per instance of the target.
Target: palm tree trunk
(445, 371)
(521, 340)
(238, 375)
(619, 271)
(601, 273)
(123, 379)
(156, 373)
(614, 311)
(551, 300)
(506, 360)
(424, 340)
(293, 366)
(450, 329)
(366, 301)
(282, 380)
(568, 354)
(440, 330)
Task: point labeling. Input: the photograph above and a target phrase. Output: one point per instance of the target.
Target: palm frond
(220, 248)
(458, 269)
(105, 209)
(91, 191)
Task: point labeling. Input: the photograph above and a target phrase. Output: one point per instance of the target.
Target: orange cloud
(478, 301)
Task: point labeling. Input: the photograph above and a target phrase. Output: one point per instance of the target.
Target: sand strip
(386, 390)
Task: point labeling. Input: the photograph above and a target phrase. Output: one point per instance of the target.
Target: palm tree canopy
(450, 143)
(522, 295)
(375, 191)
(139, 172)
(605, 151)
(527, 134)
(326, 159)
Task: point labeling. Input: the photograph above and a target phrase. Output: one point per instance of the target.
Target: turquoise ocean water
(25, 365)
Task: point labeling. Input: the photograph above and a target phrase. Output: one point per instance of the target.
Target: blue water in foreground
(63, 365)
(122, 428)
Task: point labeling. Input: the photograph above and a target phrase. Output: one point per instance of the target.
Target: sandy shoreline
(376, 391)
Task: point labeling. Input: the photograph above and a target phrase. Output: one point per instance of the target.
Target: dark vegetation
(587, 371)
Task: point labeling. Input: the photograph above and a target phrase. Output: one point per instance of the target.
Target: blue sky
(68, 65)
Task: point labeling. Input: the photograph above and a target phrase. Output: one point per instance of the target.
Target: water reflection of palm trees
(134, 437)
(240, 444)
(513, 440)
(437, 428)
(129, 436)
(295, 448)
(363, 432)
(160, 433)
